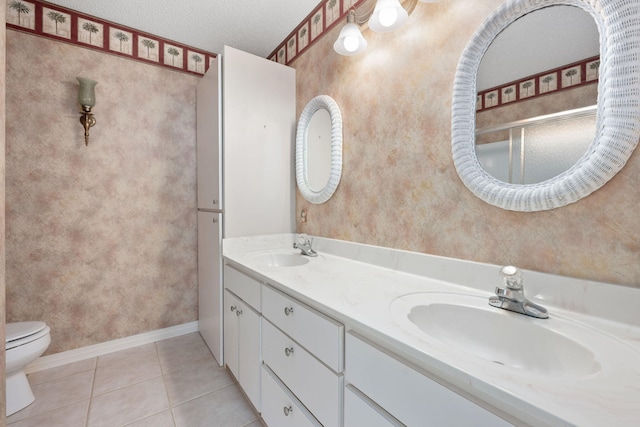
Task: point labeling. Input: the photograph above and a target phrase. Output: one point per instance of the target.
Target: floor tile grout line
(166, 390)
(165, 372)
(66, 404)
(46, 412)
(126, 385)
(173, 405)
(93, 381)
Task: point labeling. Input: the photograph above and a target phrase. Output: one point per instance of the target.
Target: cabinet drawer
(321, 335)
(317, 387)
(360, 411)
(405, 393)
(246, 287)
(279, 407)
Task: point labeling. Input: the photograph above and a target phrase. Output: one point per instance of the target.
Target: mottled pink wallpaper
(399, 186)
(101, 240)
(3, 409)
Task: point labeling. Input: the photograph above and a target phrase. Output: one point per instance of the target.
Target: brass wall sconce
(87, 99)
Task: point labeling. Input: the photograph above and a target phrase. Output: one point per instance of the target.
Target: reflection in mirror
(617, 116)
(533, 83)
(319, 149)
(536, 149)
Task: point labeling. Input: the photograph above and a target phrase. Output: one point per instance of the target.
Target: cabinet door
(359, 411)
(209, 137)
(409, 396)
(280, 408)
(259, 141)
(317, 387)
(249, 358)
(231, 304)
(210, 282)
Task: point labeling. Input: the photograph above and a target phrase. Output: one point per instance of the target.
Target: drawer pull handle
(239, 313)
(287, 410)
(288, 351)
(233, 308)
(288, 311)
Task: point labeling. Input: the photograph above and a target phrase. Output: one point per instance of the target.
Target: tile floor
(170, 383)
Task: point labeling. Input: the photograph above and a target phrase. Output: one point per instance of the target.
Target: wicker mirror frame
(618, 114)
(327, 103)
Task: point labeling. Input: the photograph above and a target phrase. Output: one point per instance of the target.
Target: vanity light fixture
(350, 40)
(385, 16)
(86, 99)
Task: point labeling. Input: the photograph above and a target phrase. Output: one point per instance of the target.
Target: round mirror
(319, 149)
(616, 125)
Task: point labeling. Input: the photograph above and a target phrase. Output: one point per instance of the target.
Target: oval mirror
(319, 149)
(529, 128)
(616, 125)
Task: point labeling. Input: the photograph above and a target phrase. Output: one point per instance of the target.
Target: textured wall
(2, 202)
(399, 186)
(101, 240)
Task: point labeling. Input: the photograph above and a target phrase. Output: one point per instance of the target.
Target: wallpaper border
(568, 76)
(324, 17)
(58, 23)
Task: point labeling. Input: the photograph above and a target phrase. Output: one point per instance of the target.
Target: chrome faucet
(512, 297)
(304, 245)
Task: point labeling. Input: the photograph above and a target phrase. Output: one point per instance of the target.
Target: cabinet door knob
(215, 202)
(239, 313)
(215, 220)
(233, 308)
(288, 351)
(288, 311)
(287, 410)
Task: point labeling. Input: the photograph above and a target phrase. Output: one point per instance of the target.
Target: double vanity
(362, 335)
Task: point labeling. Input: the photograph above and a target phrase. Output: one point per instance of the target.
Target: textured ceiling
(255, 26)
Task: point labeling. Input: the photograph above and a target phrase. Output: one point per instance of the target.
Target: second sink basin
(281, 259)
(467, 323)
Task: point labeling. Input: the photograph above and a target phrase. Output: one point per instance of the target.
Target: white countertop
(356, 285)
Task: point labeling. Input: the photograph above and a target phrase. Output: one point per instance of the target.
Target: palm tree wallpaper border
(324, 17)
(570, 76)
(47, 20)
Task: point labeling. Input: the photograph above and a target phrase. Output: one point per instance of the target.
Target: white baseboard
(78, 354)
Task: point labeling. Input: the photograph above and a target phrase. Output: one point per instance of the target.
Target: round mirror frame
(618, 115)
(327, 103)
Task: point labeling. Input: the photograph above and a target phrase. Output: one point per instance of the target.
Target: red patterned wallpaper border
(58, 23)
(324, 17)
(566, 77)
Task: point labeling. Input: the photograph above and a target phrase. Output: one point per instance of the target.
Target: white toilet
(26, 341)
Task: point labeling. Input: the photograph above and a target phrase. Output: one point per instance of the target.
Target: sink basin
(281, 259)
(467, 323)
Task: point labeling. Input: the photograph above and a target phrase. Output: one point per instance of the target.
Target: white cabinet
(361, 411)
(210, 281)
(304, 349)
(407, 394)
(280, 408)
(317, 387)
(209, 137)
(321, 335)
(259, 135)
(242, 332)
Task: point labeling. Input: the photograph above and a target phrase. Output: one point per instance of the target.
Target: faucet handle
(512, 277)
(303, 239)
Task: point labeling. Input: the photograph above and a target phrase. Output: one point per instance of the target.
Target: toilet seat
(22, 333)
